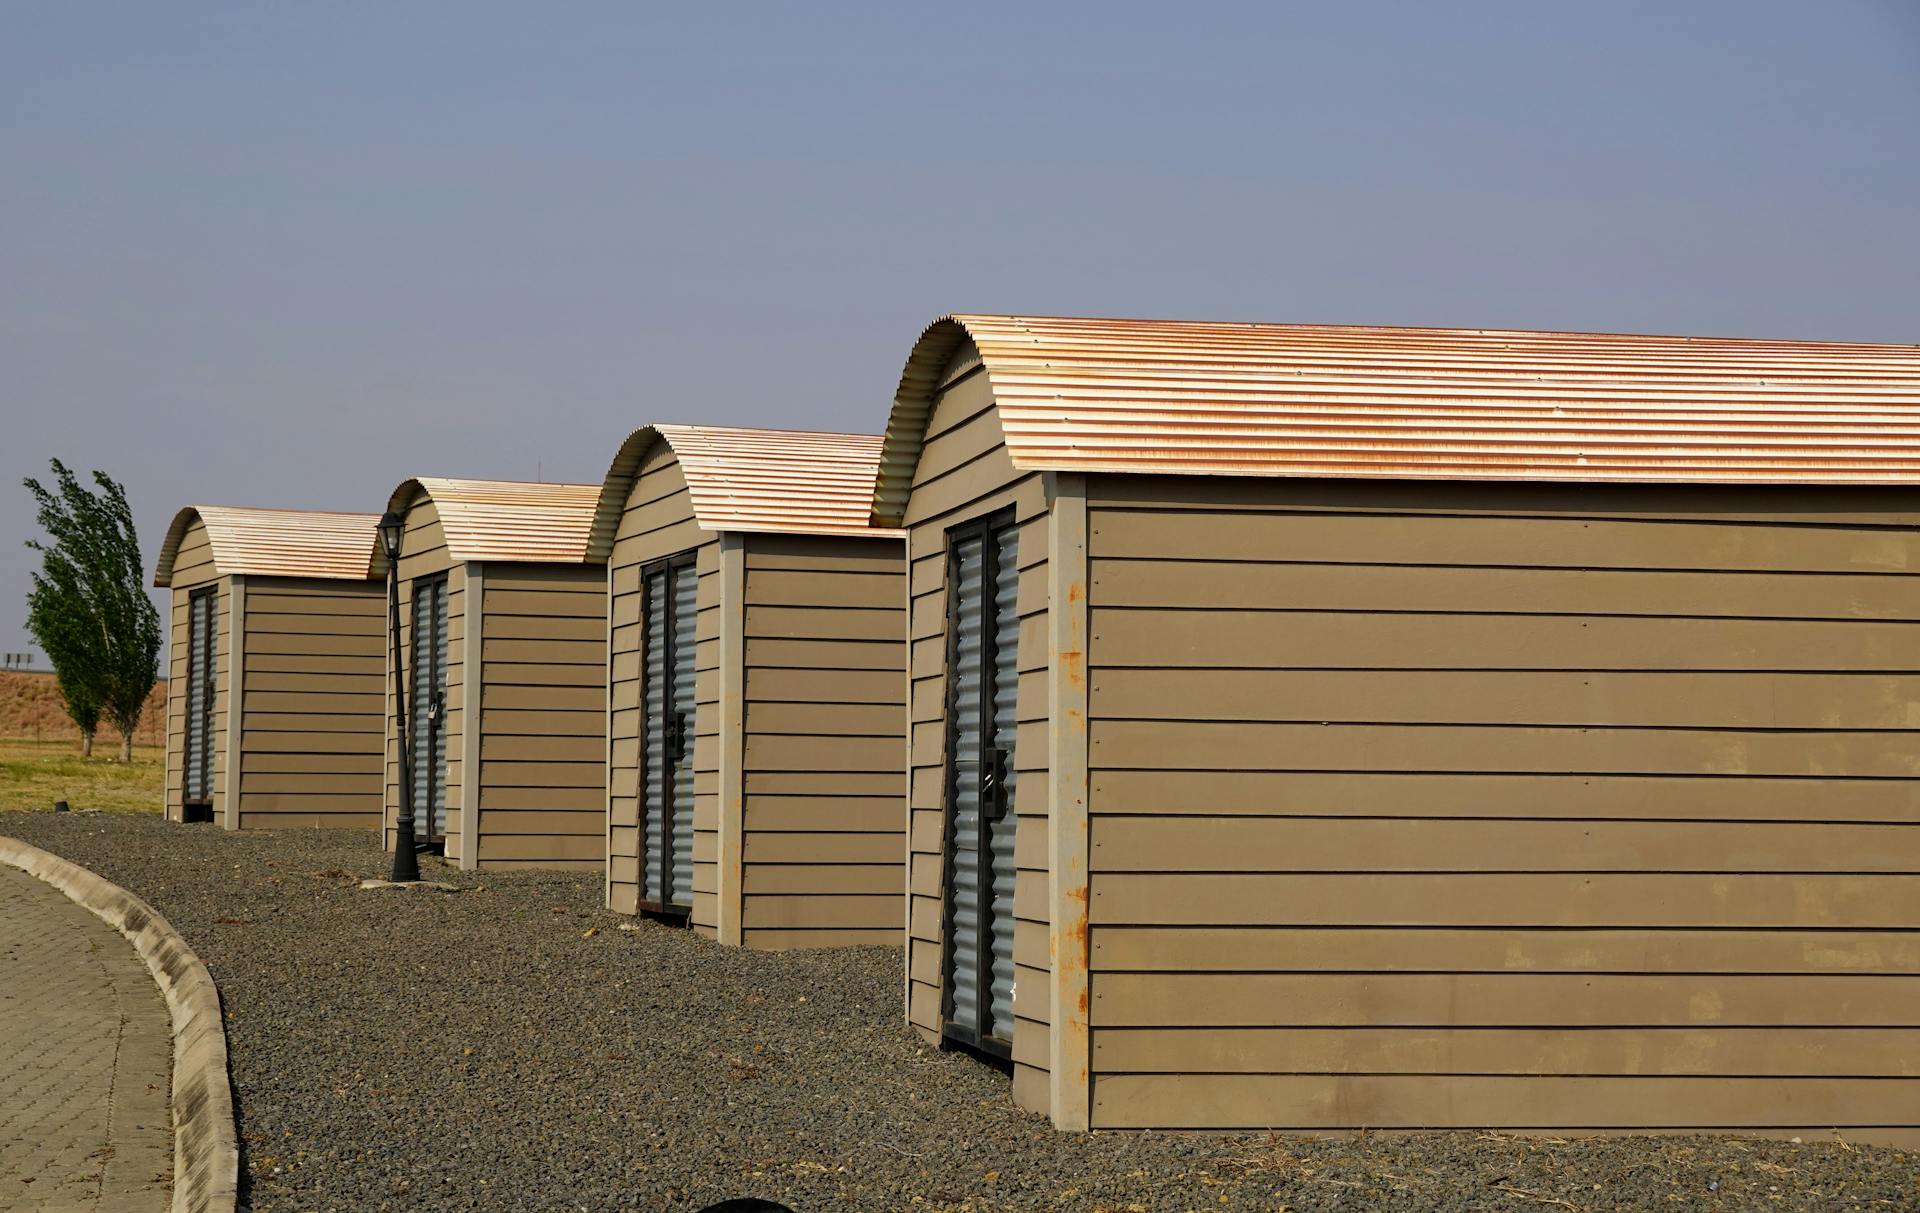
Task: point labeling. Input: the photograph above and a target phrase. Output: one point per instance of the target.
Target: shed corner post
(730, 876)
(606, 769)
(236, 690)
(472, 669)
(1069, 1052)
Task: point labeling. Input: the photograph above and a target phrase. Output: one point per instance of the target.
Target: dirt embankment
(30, 708)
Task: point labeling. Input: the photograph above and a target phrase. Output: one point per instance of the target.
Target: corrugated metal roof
(1332, 400)
(507, 519)
(787, 481)
(277, 543)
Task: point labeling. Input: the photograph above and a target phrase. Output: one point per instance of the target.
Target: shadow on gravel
(510, 1045)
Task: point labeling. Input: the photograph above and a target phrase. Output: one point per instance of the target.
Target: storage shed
(503, 629)
(758, 713)
(1321, 728)
(275, 673)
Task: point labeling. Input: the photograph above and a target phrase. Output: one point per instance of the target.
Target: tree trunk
(86, 744)
(126, 745)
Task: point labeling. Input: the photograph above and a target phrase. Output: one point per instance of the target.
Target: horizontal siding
(1512, 1101)
(963, 473)
(543, 750)
(1452, 814)
(838, 716)
(658, 522)
(290, 716)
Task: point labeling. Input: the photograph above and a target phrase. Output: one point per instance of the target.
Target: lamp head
(392, 528)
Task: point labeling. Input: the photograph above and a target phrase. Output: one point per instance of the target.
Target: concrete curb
(206, 1146)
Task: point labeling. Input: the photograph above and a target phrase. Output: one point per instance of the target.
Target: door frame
(200, 808)
(428, 839)
(986, 529)
(669, 783)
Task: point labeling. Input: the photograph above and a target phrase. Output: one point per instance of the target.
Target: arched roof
(1223, 399)
(506, 519)
(786, 481)
(279, 543)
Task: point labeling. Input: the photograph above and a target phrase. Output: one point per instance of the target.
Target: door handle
(993, 788)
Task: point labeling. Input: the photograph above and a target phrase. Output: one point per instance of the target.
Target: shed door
(670, 605)
(427, 707)
(983, 654)
(196, 762)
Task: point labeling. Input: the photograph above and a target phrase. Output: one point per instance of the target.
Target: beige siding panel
(816, 911)
(1564, 1000)
(1176, 583)
(1747, 700)
(818, 686)
(1732, 1052)
(779, 752)
(1245, 1101)
(780, 940)
(1424, 794)
(785, 717)
(1543, 541)
(1850, 506)
(549, 848)
(541, 788)
(588, 797)
(886, 849)
(1293, 844)
(521, 695)
(317, 665)
(1508, 949)
(815, 876)
(816, 814)
(1506, 899)
(1412, 808)
(829, 612)
(841, 555)
(823, 783)
(784, 653)
(1233, 637)
(1178, 745)
(829, 587)
(563, 628)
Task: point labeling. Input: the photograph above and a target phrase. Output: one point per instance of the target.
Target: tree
(57, 616)
(89, 607)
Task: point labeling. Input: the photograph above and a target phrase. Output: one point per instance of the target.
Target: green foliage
(89, 607)
(58, 617)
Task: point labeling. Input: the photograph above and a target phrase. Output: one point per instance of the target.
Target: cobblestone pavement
(85, 1057)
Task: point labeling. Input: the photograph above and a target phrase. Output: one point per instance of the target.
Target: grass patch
(34, 774)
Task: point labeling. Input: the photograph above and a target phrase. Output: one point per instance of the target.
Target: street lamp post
(406, 863)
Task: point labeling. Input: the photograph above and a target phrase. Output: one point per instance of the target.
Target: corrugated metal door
(983, 653)
(427, 707)
(670, 602)
(196, 762)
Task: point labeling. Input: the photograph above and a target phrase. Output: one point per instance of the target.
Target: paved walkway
(85, 1057)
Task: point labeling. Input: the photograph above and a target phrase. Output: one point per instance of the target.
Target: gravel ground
(511, 1047)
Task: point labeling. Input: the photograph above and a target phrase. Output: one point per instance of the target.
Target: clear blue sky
(289, 255)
